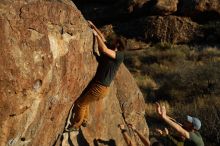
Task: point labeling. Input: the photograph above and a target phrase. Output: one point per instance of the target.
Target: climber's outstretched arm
(161, 110)
(103, 48)
(97, 30)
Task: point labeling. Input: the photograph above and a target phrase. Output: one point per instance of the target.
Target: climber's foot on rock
(71, 128)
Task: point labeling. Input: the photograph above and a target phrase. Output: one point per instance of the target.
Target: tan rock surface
(43, 58)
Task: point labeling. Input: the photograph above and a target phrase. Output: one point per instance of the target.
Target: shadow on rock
(110, 142)
(81, 139)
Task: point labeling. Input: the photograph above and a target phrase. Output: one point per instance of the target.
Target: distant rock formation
(165, 7)
(46, 61)
(199, 7)
(175, 21)
(171, 29)
(99, 10)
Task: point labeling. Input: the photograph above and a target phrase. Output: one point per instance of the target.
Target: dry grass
(146, 81)
(210, 54)
(207, 110)
(185, 79)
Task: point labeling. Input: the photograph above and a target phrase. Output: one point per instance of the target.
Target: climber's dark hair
(117, 42)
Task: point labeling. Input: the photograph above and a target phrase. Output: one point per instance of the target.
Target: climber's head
(117, 44)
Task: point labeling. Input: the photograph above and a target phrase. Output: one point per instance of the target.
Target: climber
(109, 62)
(189, 130)
(144, 140)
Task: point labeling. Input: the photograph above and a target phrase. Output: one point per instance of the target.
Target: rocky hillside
(46, 61)
(176, 21)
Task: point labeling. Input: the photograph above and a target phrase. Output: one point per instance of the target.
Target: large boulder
(165, 7)
(46, 61)
(45, 52)
(200, 10)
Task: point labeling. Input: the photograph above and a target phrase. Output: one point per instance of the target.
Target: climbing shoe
(71, 128)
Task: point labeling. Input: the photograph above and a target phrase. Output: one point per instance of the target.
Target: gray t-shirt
(195, 139)
(108, 67)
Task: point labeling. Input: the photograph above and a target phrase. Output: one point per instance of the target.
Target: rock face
(165, 7)
(46, 61)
